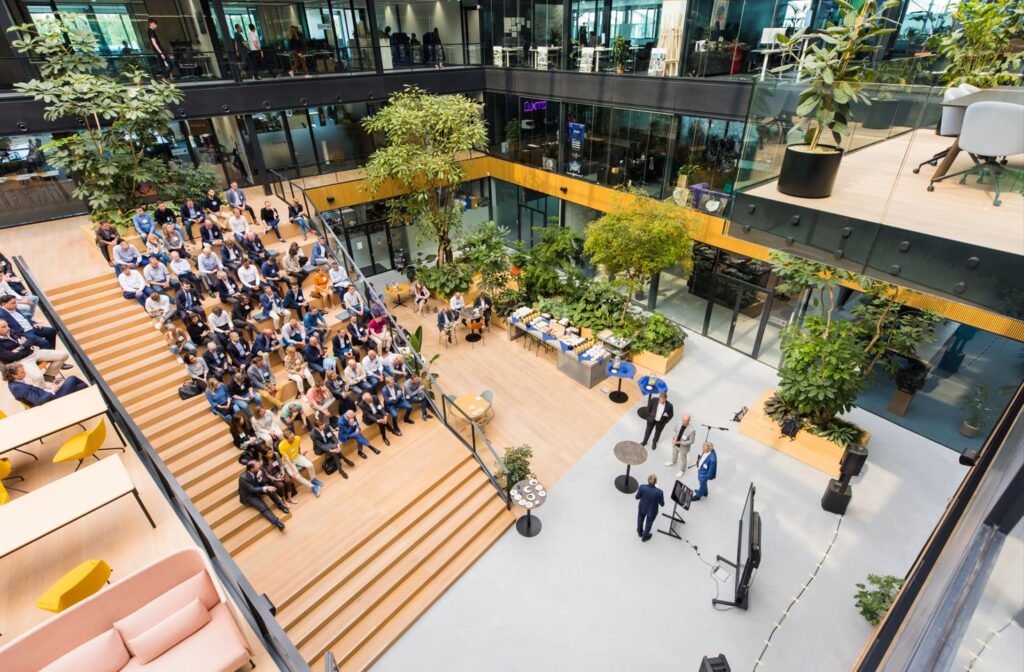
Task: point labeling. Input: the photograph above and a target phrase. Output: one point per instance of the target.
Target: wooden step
(182, 432)
(102, 312)
(365, 612)
(401, 617)
(246, 527)
(116, 357)
(98, 338)
(102, 352)
(293, 601)
(64, 291)
(181, 412)
(176, 453)
(220, 468)
(210, 502)
(147, 362)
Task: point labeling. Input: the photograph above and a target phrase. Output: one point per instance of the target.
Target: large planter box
(815, 451)
(656, 363)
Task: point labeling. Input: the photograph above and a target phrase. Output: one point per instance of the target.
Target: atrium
(451, 335)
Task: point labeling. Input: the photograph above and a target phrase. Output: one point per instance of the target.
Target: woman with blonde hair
(296, 369)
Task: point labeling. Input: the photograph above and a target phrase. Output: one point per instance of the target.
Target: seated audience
(295, 216)
(341, 345)
(209, 266)
(217, 361)
(236, 199)
(255, 248)
(221, 402)
(325, 442)
(34, 395)
(355, 377)
(214, 208)
(421, 296)
(294, 264)
(242, 393)
(294, 333)
(261, 377)
(198, 329)
(250, 278)
(221, 326)
(126, 254)
(107, 239)
(238, 351)
(197, 369)
(274, 469)
(227, 290)
(242, 318)
(191, 215)
(295, 299)
(394, 399)
(318, 253)
(265, 424)
(373, 367)
(133, 285)
(360, 337)
(296, 369)
(144, 224)
(315, 323)
(160, 309)
(394, 365)
(348, 428)
(294, 458)
(316, 357)
(293, 415)
(273, 307)
(17, 348)
(252, 485)
(268, 214)
(417, 394)
(34, 333)
(355, 305)
(158, 277)
(155, 248)
(178, 343)
(231, 255)
(182, 269)
(379, 331)
(322, 289)
(239, 224)
(374, 413)
(266, 343)
(272, 274)
(210, 234)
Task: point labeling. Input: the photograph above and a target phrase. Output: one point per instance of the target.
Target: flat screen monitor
(748, 555)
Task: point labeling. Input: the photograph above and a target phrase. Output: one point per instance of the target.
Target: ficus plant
(427, 138)
(831, 68)
(979, 50)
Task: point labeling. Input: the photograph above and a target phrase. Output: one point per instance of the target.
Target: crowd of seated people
(346, 380)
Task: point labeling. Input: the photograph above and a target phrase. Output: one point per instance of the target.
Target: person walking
(651, 499)
(659, 412)
(707, 469)
(681, 446)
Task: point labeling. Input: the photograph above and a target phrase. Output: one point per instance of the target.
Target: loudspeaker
(716, 664)
(837, 497)
(969, 458)
(853, 459)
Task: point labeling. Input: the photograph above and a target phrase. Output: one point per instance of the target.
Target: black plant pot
(809, 174)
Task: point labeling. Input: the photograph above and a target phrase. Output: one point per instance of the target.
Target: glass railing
(887, 216)
(455, 418)
(406, 57)
(254, 606)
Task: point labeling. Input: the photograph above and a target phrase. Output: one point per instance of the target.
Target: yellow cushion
(4, 495)
(75, 586)
(75, 448)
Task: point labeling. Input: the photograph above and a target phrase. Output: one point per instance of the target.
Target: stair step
(175, 453)
(65, 291)
(116, 358)
(98, 313)
(98, 338)
(297, 600)
(182, 432)
(257, 528)
(364, 614)
(220, 468)
(215, 498)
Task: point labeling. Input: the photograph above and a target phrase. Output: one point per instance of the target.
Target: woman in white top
(421, 295)
(266, 427)
(239, 224)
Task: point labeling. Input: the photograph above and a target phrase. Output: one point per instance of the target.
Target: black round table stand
(528, 525)
(617, 395)
(626, 483)
(472, 337)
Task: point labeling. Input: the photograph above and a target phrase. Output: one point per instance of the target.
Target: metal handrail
(341, 255)
(256, 608)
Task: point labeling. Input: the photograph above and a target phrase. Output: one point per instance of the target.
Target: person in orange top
(322, 286)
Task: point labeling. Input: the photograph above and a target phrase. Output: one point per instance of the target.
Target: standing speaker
(715, 664)
(837, 496)
(853, 459)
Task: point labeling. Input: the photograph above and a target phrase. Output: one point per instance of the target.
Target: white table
(47, 509)
(33, 424)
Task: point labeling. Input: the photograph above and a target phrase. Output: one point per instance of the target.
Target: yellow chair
(5, 475)
(84, 445)
(75, 586)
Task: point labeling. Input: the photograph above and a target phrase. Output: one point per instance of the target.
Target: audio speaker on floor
(837, 496)
(715, 664)
(853, 459)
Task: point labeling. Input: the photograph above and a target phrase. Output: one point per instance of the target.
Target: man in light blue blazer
(707, 469)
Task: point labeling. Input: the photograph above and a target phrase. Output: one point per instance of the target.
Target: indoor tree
(551, 267)
(427, 138)
(980, 49)
(637, 241)
(827, 361)
(122, 118)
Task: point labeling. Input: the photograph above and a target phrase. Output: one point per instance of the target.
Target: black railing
(255, 607)
(442, 405)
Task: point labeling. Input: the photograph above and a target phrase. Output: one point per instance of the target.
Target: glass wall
(423, 33)
(522, 211)
(32, 190)
(527, 33)
(707, 154)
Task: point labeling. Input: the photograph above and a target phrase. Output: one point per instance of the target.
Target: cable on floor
(985, 642)
(778, 624)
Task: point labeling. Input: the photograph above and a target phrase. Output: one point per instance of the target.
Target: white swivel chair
(991, 129)
(950, 122)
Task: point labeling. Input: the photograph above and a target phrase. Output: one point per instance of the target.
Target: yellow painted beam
(704, 228)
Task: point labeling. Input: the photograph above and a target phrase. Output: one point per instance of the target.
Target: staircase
(367, 558)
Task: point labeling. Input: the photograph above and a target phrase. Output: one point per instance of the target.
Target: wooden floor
(877, 184)
(355, 567)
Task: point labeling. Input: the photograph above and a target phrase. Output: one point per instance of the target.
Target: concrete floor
(586, 593)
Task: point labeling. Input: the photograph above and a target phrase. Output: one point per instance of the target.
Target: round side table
(529, 494)
(650, 385)
(631, 454)
(623, 370)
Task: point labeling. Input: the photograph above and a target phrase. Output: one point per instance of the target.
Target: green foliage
(974, 402)
(505, 301)
(121, 121)
(659, 335)
(980, 49)
(551, 267)
(414, 361)
(688, 169)
(513, 130)
(827, 363)
(517, 462)
(485, 253)
(620, 52)
(634, 243)
(446, 280)
(188, 182)
(831, 68)
(597, 307)
(873, 603)
(427, 135)
(839, 431)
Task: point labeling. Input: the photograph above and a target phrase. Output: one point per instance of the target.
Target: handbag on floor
(330, 466)
(189, 390)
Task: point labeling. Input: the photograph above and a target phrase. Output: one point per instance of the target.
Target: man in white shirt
(457, 303)
(209, 266)
(373, 366)
(659, 412)
(133, 285)
(239, 226)
(158, 277)
(161, 309)
(339, 278)
(255, 54)
(394, 364)
(182, 269)
(221, 325)
(354, 303)
(294, 333)
(126, 254)
(250, 278)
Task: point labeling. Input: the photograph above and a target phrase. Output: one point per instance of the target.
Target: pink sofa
(168, 616)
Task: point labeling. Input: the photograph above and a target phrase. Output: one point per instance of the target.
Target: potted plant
(658, 345)
(454, 277)
(620, 53)
(832, 71)
(684, 173)
(517, 466)
(974, 403)
(874, 603)
(414, 361)
(504, 302)
(512, 132)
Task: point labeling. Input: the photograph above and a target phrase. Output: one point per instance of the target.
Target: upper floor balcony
(887, 216)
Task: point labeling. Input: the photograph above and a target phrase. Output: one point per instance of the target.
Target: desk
(472, 405)
(34, 423)
(999, 94)
(49, 508)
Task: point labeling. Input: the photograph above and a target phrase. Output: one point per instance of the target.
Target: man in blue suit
(38, 335)
(33, 396)
(707, 469)
(651, 499)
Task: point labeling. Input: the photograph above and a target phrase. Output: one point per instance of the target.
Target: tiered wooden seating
(403, 527)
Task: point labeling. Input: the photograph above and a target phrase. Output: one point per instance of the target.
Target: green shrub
(659, 335)
(839, 431)
(517, 461)
(445, 280)
(873, 603)
(505, 301)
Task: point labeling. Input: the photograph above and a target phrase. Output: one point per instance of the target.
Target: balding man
(681, 446)
(651, 499)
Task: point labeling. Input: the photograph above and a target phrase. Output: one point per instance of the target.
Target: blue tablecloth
(626, 370)
(652, 385)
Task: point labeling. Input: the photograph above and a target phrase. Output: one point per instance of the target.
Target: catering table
(650, 385)
(529, 494)
(579, 358)
(631, 454)
(620, 370)
(32, 424)
(58, 503)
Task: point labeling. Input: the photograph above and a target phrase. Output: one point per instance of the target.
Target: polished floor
(587, 594)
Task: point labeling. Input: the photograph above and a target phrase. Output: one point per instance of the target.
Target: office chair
(84, 445)
(950, 122)
(990, 130)
(5, 475)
